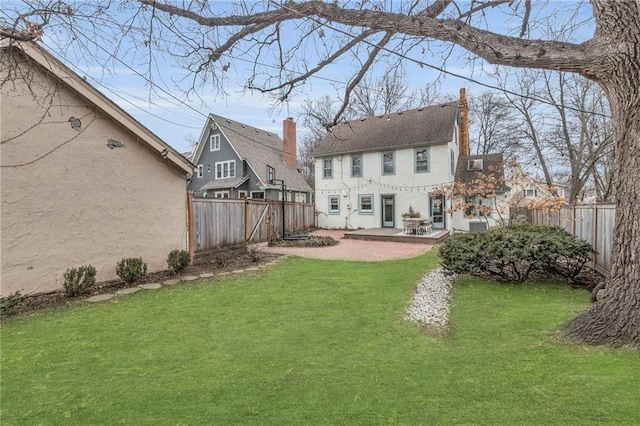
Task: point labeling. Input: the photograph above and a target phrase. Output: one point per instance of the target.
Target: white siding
(410, 188)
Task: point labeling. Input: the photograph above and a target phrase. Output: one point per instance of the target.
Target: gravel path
(430, 304)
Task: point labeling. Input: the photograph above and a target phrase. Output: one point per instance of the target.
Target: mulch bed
(232, 262)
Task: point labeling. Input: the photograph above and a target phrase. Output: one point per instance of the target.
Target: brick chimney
(463, 134)
(289, 142)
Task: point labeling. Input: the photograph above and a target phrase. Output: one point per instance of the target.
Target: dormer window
(475, 165)
(271, 174)
(530, 192)
(214, 143)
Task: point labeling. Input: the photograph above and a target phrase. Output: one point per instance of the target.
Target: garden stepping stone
(150, 286)
(171, 282)
(128, 291)
(100, 298)
(207, 275)
(251, 269)
(190, 278)
(238, 271)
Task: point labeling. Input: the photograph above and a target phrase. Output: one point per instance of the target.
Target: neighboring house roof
(76, 83)
(422, 126)
(227, 183)
(258, 148)
(491, 166)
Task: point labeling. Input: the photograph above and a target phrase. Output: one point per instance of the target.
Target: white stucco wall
(68, 200)
(409, 188)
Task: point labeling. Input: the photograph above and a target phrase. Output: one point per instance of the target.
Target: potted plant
(411, 214)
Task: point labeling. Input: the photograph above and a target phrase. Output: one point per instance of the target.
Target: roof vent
(475, 165)
(228, 121)
(243, 126)
(257, 131)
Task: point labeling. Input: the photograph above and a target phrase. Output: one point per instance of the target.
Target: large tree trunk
(615, 319)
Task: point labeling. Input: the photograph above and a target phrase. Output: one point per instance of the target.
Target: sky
(162, 107)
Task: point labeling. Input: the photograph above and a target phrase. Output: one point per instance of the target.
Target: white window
(200, 170)
(530, 192)
(388, 163)
(356, 165)
(301, 197)
(257, 195)
(226, 169)
(453, 162)
(334, 204)
(327, 168)
(221, 194)
(476, 165)
(422, 160)
(242, 194)
(365, 204)
(214, 143)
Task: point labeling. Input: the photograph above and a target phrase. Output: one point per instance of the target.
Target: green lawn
(314, 342)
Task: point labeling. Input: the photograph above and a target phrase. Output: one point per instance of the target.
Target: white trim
(258, 192)
(214, 142)
(360, 209)
(219, 169)
(221, 194)
(200, 170)
(329, 204)
(242, 194)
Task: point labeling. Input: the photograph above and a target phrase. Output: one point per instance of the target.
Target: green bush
(516, 253)
(178, 260)
(78, 280)
(10, 301)
(130, 269)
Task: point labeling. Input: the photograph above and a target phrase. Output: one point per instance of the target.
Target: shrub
(130, 269)
(178, 260)
(10, 301)
(313, 241)
(516, 253)
(78, 280)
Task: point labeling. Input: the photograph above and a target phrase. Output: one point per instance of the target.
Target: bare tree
(493, 121)
(209, 37)
(387, 94)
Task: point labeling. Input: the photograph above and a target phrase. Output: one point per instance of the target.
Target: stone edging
(174, 281)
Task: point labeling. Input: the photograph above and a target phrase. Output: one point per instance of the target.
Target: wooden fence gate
(218, 223)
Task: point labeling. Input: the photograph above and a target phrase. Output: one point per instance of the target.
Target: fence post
(246, 218)
(190, 226)
(595, 235)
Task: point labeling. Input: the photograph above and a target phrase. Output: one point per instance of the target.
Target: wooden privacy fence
(591, 222)
(217, 223)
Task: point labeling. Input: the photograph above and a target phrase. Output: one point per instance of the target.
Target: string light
(374, 183)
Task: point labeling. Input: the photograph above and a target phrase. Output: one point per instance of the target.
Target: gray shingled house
(234, 160)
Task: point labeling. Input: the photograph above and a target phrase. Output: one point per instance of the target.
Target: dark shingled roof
(260, 148)
(492, 166)
(422, 126)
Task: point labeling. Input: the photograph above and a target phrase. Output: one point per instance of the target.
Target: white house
(371, 171)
